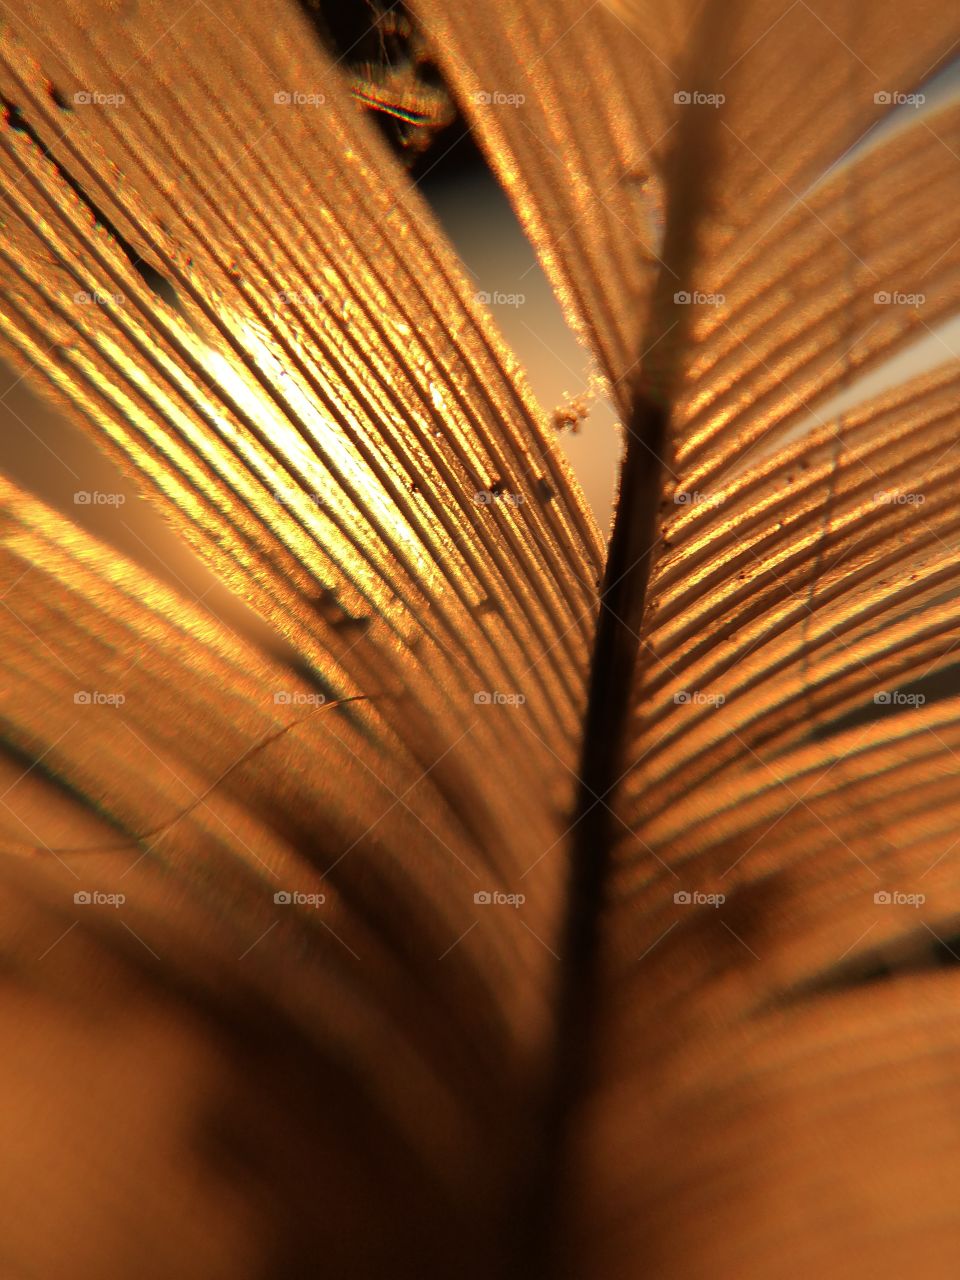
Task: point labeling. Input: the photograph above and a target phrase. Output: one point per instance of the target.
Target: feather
(802, 586)
(715, 1034)
(331, 428)
(206, 827)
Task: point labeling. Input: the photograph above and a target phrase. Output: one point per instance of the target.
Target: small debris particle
(571, 414)
(57, 98)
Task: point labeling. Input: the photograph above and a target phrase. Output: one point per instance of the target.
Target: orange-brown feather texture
(219, 271)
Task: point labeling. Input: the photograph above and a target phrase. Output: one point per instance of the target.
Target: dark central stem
(622, 602)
